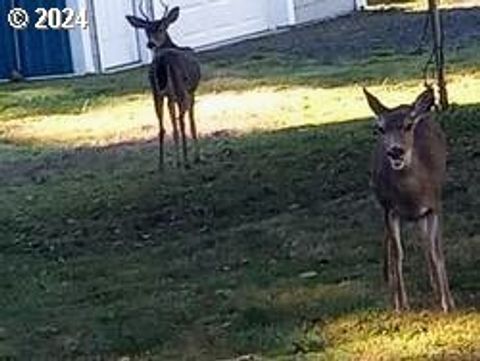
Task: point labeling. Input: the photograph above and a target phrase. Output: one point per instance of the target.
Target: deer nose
(150, 45)
(396, 152)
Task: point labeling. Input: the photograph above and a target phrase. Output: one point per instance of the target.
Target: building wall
(33, 52)
(310, 10)
(81, 44)
(281, 13)
(203, 24)
(8, 60)
(109, 42)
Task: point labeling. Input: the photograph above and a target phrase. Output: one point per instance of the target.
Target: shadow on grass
(267, 247)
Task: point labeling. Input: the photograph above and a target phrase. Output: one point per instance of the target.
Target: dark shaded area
(143, 257)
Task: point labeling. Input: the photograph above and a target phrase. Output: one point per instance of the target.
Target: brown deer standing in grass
(174, 74)
(409, 164)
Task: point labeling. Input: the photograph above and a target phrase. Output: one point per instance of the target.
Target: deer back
(176, 67)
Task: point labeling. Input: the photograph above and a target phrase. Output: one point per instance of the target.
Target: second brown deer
(174, 75)
(409, 166)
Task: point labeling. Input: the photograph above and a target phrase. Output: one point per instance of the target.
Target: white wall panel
(118, 44)
(203, 22)
(309, 10)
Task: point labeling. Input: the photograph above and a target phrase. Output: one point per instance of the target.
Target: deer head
(396, 127)
(156, 30)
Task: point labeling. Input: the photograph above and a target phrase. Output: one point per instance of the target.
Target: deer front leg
(193, 130)
(181, 118)
(173, 118)
(158, 100)
(423, 226)
(396, 252)
(387, 239)
(438, 258)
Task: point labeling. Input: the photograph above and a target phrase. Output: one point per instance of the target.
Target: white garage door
(204, 22)
(117, 43)
(308, 10)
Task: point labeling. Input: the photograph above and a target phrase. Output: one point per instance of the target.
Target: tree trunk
(438, 42)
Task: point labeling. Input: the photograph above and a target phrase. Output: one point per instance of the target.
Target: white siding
(361, 4)
(81, 44)
(118, 42)
(204, 22)
(111, 43)
(309, 10)
(281, 13)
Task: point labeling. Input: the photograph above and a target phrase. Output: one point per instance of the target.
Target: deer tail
(175, 81)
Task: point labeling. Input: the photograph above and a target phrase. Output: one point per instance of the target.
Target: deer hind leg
(193, 130)
(158, 100)
(173, 118)
(400, 299)
(387, 257)
(438, 260)
(183, 104)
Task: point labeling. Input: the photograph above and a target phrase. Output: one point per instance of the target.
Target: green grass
(260, 68)
(270, 247)
(70, 96)
(206, 264)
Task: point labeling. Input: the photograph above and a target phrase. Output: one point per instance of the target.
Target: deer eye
(154, 27)
(379, 129)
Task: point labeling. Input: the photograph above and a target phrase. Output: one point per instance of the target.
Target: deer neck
(168, 43)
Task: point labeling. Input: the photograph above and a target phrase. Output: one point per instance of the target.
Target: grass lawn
(270, 247)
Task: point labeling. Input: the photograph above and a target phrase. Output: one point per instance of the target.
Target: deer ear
(136, 22)
(377, 107)
(423, 103)
(172, 15)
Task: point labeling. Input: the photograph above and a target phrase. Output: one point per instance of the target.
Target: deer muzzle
(396, 155)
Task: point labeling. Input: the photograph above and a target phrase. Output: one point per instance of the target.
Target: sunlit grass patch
(260, 108)
(420, 4)
(383, 336)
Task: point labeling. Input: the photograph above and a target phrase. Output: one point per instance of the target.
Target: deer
(408, 173)
(174, 75)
